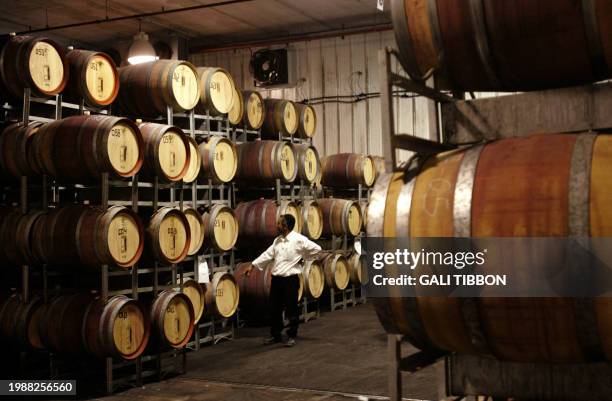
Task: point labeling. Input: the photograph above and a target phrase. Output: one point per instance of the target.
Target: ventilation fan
(273, 68)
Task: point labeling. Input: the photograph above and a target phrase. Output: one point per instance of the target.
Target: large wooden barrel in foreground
(14, 141)
(312, 219)
(505, 45)
(147, 89)
(98, 144)
(559, 188)
(172, 318)
(254, 110)
(166, 152)
(262, 162)
(281, 118)
(307, 121)
(118, 327)
(347, 170)
(308, 163)
(216, 91)
(220, 228)
(340, 217)
(221, 295)
(168, 236)
(93, 78)
(314, 278)
(88, 236)
(336, 271)
(35, 63)
(257, 219)
(219, 160)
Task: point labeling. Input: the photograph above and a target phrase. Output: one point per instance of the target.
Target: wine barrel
(35, 63)
(220, 228)
(314, 279)
(216, 91)
(195, 161)
(307, 121)
(99, 144)
(308, 164)
(221, 295)
(118, 327)
(504, 46)
(90, 236)
(236, 113)
(219, 160)
(254, 110)
(196, 230)
(172, 318)
(356, 267)
(166, 152)
(61, 328)
(364, 214)
(255, 288)
(340, 217)
(347, 170)
(194, 291)
(262, 162)
(148, 89)
(19, 321)
(380, 165)
(13, 150)
(281, 119)
(93, 78)
(168, 236)
(16, 237)
(312, 218)
(560, 188)
(257, 219)
(336, 271)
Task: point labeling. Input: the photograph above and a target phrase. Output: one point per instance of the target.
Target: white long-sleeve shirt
(286, 252)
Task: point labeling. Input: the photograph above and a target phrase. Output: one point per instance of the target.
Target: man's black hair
(289, 221)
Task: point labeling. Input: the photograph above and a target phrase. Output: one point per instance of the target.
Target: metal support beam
(386, 107)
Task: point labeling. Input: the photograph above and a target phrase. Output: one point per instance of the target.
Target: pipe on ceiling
(135, 16)
(293, 38)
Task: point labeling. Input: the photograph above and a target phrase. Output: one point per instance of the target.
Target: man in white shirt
(286, 253)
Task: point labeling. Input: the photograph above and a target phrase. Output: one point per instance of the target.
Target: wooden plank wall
(336, 67)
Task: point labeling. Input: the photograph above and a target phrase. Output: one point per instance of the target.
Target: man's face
(282, 226)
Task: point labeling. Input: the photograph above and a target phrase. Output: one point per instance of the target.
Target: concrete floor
(340, 356)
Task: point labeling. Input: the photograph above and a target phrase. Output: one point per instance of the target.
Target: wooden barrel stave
(281, 119)
(262, 162)
(347, 170)
(340, 217)
(60, 329)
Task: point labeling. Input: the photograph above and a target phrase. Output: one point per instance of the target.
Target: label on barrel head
(100, 78)
(172, 237)
(221, 91)
(122, 148)
(225, 229)
(46, 67)
(128, 329)
(123, 238)
(254, 110)
(177, 320)
(185, 87)
(172, 154)
(290, 118)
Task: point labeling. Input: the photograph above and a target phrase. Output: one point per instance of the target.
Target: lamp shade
(141, 50)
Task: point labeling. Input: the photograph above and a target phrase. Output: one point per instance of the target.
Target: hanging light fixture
(141, 50)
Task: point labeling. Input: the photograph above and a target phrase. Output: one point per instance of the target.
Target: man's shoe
(290, 342)
(272, 340)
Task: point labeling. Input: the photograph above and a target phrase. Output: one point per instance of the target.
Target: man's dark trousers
(284, 297)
